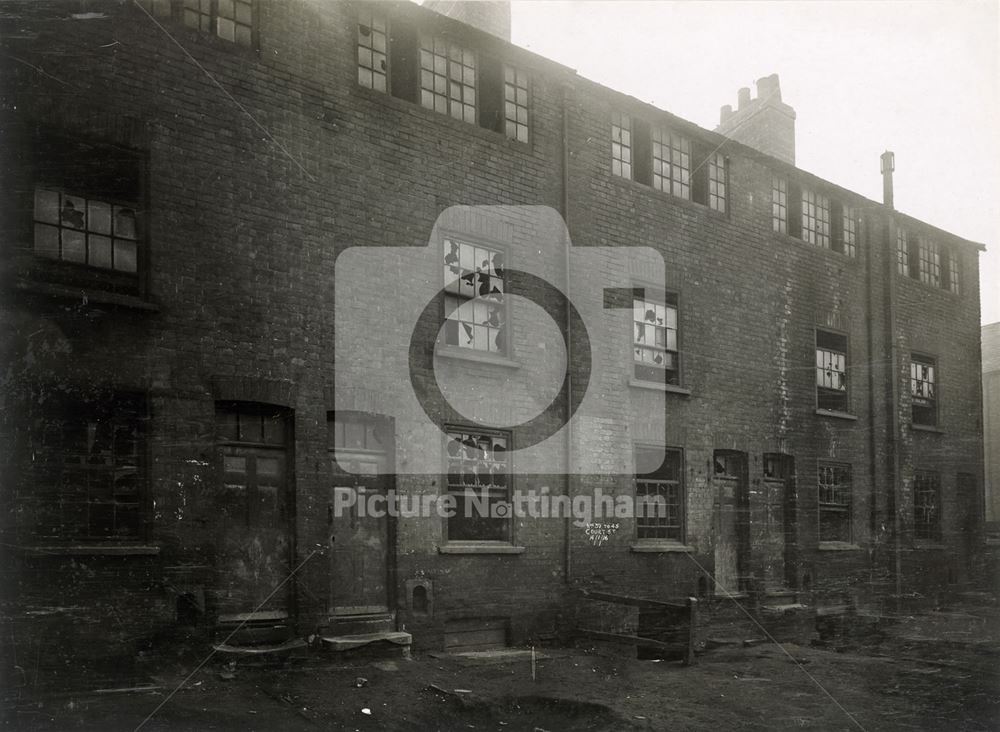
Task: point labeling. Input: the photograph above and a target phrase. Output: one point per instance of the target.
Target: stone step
(362, 624)
(385, 644)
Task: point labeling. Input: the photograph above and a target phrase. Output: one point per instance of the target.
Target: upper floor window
(929, 262)
(834, 498)
(923, 384)
(659, 493)
(621, 144)
(475, 308)
(515, 103)
(779, 205)
(849, 235)
(816, 219)
(230, 20)
(654, 338)
(478, 479)
(373, 69)
(447, 78)
(831, 371)
(902, 252)
(927, 506)
(953, 281)
(671, 163)
(90, 231)
(87, 467)
(718, 179)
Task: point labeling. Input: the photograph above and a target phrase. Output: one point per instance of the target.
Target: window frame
(779, 204)
(370, 12)
(519, 74)
(176, 11)
(924, 530)
(818, 367)
(623, 123)
(838, 507)
(929, 262)
(664, 139)
(921, 359)
(718, 200)
(508, 351)
(678, 483)
(509, 523)
(74, 405)
(434, 39)
(816, 210)
(670, 299)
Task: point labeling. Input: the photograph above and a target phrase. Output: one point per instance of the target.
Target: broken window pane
(372, 68)
(474, 306)
(478, 467)
(831, 371)
(922, 390)
(654, 339)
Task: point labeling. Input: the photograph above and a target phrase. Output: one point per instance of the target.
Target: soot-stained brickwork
(178, 199)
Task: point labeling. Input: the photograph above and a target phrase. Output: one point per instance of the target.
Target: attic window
(779, 205)
(671, 163)
(230, 20)
(447, 78)
(372, 61)
(816, 219)
(515, 104)
(718, 177)
(621, 145)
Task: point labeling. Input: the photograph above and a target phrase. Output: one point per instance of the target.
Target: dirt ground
(935, 671)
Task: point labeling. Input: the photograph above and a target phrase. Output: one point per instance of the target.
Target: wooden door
(732, 535)
(360, 537)
(253, 540)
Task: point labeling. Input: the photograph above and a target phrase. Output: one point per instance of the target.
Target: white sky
(918, 78)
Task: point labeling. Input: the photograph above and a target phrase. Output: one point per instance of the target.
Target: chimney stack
(888, 160)
(765, 123)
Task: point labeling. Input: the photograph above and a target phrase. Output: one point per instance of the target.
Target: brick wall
(252, 194)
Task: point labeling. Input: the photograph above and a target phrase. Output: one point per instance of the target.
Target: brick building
(991, 418)
(184, 179)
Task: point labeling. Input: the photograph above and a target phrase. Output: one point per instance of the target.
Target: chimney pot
(743, 97)
(769, 88)
(888, 165)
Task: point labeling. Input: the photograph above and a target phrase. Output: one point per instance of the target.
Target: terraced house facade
(185, 178)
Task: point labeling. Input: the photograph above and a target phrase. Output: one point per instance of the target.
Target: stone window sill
(480, 548)
(657, 386)
(836, 415)
(105, 550)
(927, 428)
(838, 546)
(467, 354)
(87, 295)
(665, 547)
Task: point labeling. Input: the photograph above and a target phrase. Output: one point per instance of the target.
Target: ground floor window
(927, 506)
(87, 473)
(478, 479)
(659, 494)
(835, 494)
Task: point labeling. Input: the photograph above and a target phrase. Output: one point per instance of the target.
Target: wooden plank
(629, 600)
(630, 639)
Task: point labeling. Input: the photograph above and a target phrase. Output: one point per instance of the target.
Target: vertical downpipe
(888, 166)
(567, 528)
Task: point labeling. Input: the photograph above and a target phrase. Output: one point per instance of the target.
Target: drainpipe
(567, 528)
(888, 166)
